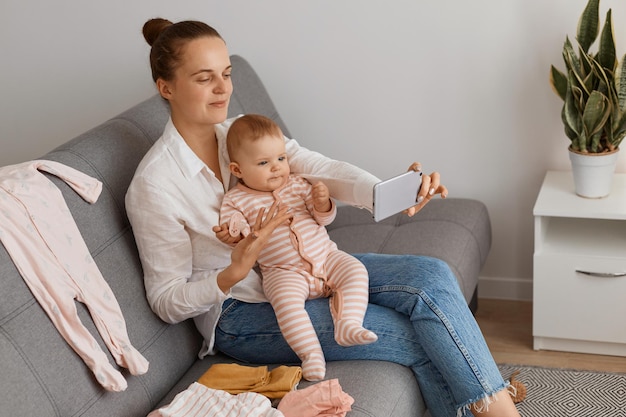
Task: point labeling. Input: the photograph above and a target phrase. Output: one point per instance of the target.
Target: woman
(173, 204)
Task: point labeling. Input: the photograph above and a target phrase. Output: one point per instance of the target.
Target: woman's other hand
(247, 250)
(431, 186)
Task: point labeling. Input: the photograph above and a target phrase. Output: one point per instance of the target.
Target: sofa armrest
(455, 230)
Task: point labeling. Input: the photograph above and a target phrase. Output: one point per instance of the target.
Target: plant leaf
(619, 130)
(590, 82)
(572, 63)
(579, 98)
(571, 116)
(603, 78)
(580, 69)
(606, 50)
(588, 25)
(558, 81)
(596, 113)
(595, 116)
(573, 136)
(620, 84)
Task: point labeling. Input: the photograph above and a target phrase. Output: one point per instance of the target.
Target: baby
(300, 261)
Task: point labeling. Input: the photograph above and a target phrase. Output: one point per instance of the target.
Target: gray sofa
(42, 376)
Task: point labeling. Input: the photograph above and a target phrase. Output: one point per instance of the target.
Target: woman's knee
(416, 271)
(436, 267)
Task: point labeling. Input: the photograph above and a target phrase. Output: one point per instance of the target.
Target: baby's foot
(350, 333)
(314, 366)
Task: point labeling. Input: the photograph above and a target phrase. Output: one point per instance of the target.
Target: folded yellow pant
(235, 379)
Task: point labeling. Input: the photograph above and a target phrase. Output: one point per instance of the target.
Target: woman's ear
(235, 170)
(164, 88)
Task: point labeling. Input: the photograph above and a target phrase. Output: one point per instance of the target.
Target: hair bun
(153, 28)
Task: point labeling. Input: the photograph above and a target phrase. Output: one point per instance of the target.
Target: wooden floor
(507, 326)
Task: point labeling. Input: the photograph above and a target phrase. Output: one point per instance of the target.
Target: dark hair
(167, 40)
(249, 128)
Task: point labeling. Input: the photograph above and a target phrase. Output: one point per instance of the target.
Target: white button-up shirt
(174, 201)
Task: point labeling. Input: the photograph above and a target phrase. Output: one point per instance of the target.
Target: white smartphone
(396, 194)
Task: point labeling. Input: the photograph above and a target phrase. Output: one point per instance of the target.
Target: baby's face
(263, 163)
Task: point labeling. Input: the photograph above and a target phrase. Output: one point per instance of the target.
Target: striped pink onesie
(300, 262)
(39, 233)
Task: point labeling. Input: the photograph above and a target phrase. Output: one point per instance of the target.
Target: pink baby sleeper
(300, 262)
(39, 233)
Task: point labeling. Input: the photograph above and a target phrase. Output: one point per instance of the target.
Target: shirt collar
(221, 130)
(187, 161)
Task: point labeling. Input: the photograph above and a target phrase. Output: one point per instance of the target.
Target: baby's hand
(321, 197)
(223, 234)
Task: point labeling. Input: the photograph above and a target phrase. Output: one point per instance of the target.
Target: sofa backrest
(41, 374)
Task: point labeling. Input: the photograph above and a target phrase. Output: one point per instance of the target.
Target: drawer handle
(603, 274)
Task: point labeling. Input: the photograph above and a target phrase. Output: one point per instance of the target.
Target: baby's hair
(167, 40)
(249, 128)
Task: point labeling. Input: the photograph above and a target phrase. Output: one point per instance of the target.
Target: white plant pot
(593, 173)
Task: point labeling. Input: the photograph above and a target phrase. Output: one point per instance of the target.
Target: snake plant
(593, 87)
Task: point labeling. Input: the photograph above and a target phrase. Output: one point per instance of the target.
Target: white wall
(460, 86)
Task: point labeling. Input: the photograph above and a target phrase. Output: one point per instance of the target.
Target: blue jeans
(421, 319)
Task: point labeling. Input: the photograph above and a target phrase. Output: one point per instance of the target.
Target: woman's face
(200, 91)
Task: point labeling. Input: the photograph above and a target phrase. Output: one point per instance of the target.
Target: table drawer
(572, 305)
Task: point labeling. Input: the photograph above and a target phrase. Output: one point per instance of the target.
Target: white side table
(579, 273)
